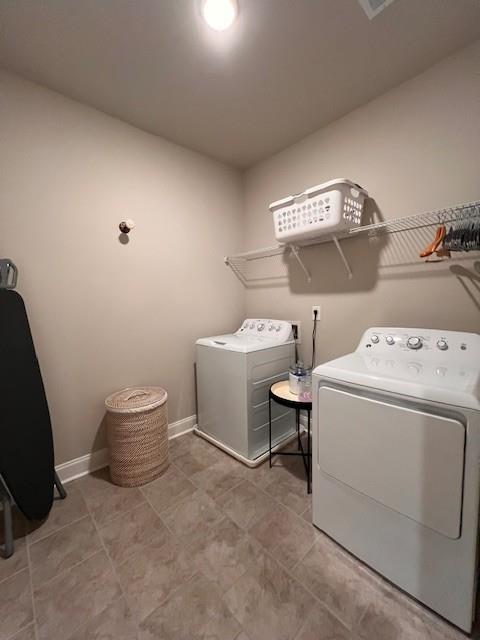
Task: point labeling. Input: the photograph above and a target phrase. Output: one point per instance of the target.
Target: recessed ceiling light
(219, 14)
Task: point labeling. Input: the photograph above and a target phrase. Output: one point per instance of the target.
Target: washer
(234, 375)
(396, 476)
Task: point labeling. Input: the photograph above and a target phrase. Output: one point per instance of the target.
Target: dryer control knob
(278, 327)
(260, 327)
(271, 327)
(252, 326)
(414, 342)
(375, 339)
(390, 340)
(415, 368)
(442, 345)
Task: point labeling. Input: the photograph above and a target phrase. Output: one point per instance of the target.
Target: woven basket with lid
(137, 432)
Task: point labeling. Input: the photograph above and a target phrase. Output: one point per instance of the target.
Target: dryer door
(408, 460)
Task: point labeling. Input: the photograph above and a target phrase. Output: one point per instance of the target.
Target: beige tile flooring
(210, 550)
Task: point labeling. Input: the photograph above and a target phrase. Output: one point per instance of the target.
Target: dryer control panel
(278, 330)
(443, 359)
(426, 344)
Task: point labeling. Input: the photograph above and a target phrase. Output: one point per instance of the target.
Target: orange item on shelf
(434, 245)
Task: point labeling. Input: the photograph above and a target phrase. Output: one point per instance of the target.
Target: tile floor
(210, 550)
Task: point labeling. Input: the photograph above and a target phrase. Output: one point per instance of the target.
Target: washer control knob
(390, 340)
(271, 327)
(375, 339)
(442, 344)
(278, 327)
(261, 326)
(414, 342)
(252, 326)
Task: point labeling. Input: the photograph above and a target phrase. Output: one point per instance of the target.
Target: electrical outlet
(317, 309)
(297, 331)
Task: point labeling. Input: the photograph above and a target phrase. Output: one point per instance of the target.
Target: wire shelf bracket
(343, 257)
(296, 254)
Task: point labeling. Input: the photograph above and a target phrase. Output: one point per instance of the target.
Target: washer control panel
(278, 330)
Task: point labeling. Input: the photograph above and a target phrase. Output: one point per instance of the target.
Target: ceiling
(285, 68)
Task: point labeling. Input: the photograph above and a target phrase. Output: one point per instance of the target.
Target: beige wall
(106, 315)
(415, 148)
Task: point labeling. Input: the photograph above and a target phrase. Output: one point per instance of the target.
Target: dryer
(396, 476)
(234, 374)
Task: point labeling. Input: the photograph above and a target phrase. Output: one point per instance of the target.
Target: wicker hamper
(137, 432)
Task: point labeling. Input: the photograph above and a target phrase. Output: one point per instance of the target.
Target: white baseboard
(81, 466)
(98, 459)
(180, 427)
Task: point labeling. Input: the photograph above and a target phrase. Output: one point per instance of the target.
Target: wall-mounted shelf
(460, 212)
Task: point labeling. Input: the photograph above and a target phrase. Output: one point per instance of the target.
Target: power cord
(314, 336)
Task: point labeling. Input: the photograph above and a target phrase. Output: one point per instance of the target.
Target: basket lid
(136, 399)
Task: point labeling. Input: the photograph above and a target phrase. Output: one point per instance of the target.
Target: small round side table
(280, 393)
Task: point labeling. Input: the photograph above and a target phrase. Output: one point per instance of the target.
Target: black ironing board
(27, 469)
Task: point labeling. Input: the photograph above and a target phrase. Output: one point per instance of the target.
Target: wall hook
(126, 225)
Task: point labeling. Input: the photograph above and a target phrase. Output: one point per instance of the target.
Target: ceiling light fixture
(219, 14)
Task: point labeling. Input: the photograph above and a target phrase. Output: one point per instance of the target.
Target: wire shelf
(467, 211)
(239, 263)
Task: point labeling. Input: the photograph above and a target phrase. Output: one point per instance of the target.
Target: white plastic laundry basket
(331, 208)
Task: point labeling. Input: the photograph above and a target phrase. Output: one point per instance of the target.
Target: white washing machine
(234, 375)
(396, 442)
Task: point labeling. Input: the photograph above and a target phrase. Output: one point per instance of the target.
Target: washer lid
(254, 334)
(408, 375)
(240, 343)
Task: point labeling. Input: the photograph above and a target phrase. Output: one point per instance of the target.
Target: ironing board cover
(26, 445)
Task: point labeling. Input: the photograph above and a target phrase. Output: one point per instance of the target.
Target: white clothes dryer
(396, 475)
